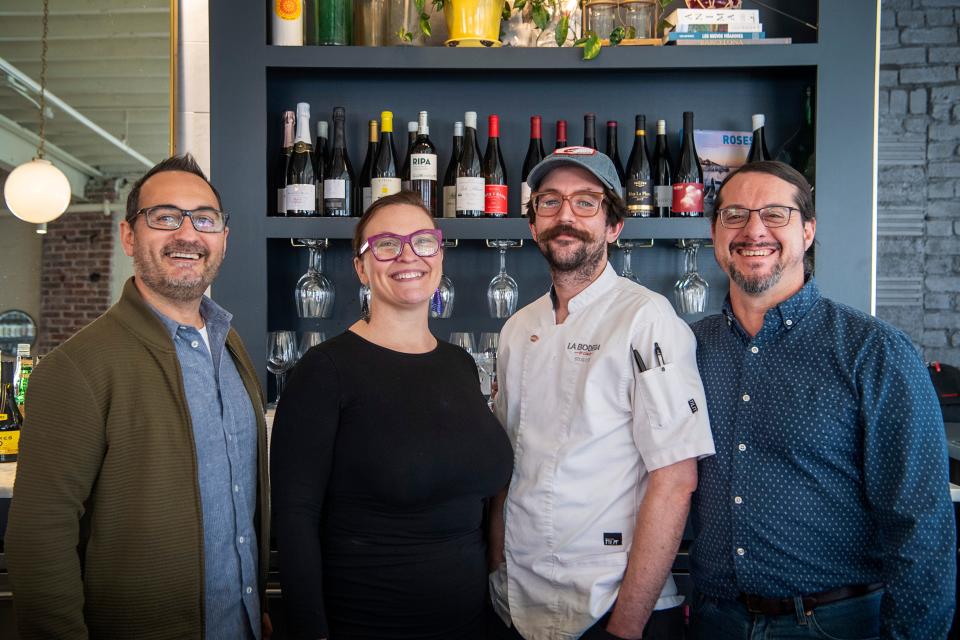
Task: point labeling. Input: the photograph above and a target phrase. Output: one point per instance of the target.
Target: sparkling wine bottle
(283, 161)
(300, 193)
(338, 192)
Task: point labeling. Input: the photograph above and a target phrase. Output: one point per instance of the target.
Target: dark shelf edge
(538, 59)
(463, 229)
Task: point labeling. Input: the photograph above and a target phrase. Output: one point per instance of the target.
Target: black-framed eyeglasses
(584, 204)
(771, 217)
(167, 217)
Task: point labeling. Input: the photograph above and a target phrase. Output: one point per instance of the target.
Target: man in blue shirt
(826, 511)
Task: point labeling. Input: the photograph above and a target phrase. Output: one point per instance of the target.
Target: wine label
(687, 199)
(366, 197)
(9, 442)
(663, 195)
(334, 189)
(450, 202)
(525, 192)
(495, 200)
(301, 197)
(639, 198)
(383, 187)
(470, 194)
(423, 166)
(288, 9)
(281, 201)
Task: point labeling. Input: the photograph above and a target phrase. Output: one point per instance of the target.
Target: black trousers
(666, 624)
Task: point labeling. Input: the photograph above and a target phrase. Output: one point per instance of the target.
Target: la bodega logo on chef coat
(582, 352)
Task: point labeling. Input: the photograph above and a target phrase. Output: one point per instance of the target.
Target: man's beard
(755, 285)
(582, 262)
(183, 289)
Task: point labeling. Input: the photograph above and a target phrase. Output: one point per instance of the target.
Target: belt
(759, 605)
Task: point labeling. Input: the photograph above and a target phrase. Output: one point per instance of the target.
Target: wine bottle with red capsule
(495, 197)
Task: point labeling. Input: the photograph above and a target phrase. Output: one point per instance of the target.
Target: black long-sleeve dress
(380, 464)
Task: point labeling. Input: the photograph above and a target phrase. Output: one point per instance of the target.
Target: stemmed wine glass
(503, 291)
(446, 299)
(281, 356)
(315, 292)
(691, 290)
(627, 270)
(464, 340)
(487, 359)
(309, 339)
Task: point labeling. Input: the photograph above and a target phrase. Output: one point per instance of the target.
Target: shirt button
(236, 487)
(754, 350)
(746, 397)
(195, 344)
(240, 539)
(788, 322)
(249, 589)
(742, 447)
(738, 500)
(740, 552)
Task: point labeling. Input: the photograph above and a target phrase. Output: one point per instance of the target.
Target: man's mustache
(564, 229)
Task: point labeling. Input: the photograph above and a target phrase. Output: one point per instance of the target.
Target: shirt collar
(786, 315)
(603, 283)
(215, 318)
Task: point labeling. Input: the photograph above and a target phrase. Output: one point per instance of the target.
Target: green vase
(332, 22)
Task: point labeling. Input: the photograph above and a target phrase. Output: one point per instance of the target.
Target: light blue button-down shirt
(225, 436)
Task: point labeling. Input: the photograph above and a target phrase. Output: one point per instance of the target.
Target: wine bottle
(639, 174)
(386, 179)
(287, 23)
(405, 168)
(758, 147)
(534, 155)
(21, 375)
(614, 154)
(450, 177)
(495, 190)
(423, 165)
(798, 150)
(590, 131)
(10, 420)
(688, 176)
(662, 173)
(470, 182)
(289, 122)
(561, 134)
(366, 172)
(321, 155)
(338, 194)
(300, 193)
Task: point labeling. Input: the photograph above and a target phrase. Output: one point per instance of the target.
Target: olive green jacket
(105, 534)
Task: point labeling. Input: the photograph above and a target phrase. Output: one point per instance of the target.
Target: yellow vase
(473, 23)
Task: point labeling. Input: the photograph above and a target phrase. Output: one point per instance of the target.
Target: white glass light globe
(37, 191)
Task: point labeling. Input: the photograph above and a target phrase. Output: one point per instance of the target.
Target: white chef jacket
(586, 429)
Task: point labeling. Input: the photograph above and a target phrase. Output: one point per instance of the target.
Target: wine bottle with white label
(338, 178)
(289, 122)
(300, 193)
(662, 173)
(287, 23)
(386, 176)
(495, 190)
(366, 172)
(470, 183)
(423, 165)
(639, 174)
(450, 177)
(405, 169)
(534, 155)
(688, 176)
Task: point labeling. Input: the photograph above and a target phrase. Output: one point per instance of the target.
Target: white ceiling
(109, 60)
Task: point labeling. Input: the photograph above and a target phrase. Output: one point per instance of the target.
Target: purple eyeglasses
(388, 246)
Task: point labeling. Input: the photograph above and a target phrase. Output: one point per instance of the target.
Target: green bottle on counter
(9, 422)
(331, 22)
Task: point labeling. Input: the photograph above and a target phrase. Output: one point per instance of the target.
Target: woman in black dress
(383, 453)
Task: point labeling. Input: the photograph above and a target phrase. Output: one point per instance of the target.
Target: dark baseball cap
(598, 164)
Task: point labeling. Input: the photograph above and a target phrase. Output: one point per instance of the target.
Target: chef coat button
(534, 338)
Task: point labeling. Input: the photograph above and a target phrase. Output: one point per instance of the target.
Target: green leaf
(591, 48)
(616, 36)
(505, 12)
(425, 24)
(438, 5)
(541, 17)
(518, 5)
(405, 36)
(562, 29)
(580, 41)
(631, 33)
(419, 4)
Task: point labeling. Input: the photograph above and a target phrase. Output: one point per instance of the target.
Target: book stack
(717, 27)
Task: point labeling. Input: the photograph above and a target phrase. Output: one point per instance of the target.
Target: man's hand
(495, 555)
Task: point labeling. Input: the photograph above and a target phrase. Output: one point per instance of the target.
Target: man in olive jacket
(140, 504)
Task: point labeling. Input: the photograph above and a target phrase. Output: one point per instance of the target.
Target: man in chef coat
(600, 395)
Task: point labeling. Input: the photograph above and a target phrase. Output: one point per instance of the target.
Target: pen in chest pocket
(658, 353)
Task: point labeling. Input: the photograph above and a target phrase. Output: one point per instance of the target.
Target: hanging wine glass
(626, 270)
(309, 339)
(691, 290)
(281, 356)
(445, 308)
(487, 361)
(315, 292)
(503, 291)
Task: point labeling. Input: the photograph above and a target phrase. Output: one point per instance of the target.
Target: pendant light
(37, 191)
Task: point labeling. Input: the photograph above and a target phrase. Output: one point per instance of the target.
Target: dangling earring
(365, 302)
(436, 303)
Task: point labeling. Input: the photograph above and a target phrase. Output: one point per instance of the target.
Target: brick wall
(75, 276)
(918, 249)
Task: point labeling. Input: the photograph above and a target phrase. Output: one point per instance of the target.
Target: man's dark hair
(613, 205)
(184, 163)
(802, 197)
(406, 197)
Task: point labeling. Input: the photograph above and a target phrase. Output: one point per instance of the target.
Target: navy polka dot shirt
(831, 464)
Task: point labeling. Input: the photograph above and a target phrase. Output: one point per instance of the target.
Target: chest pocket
(663, 396)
